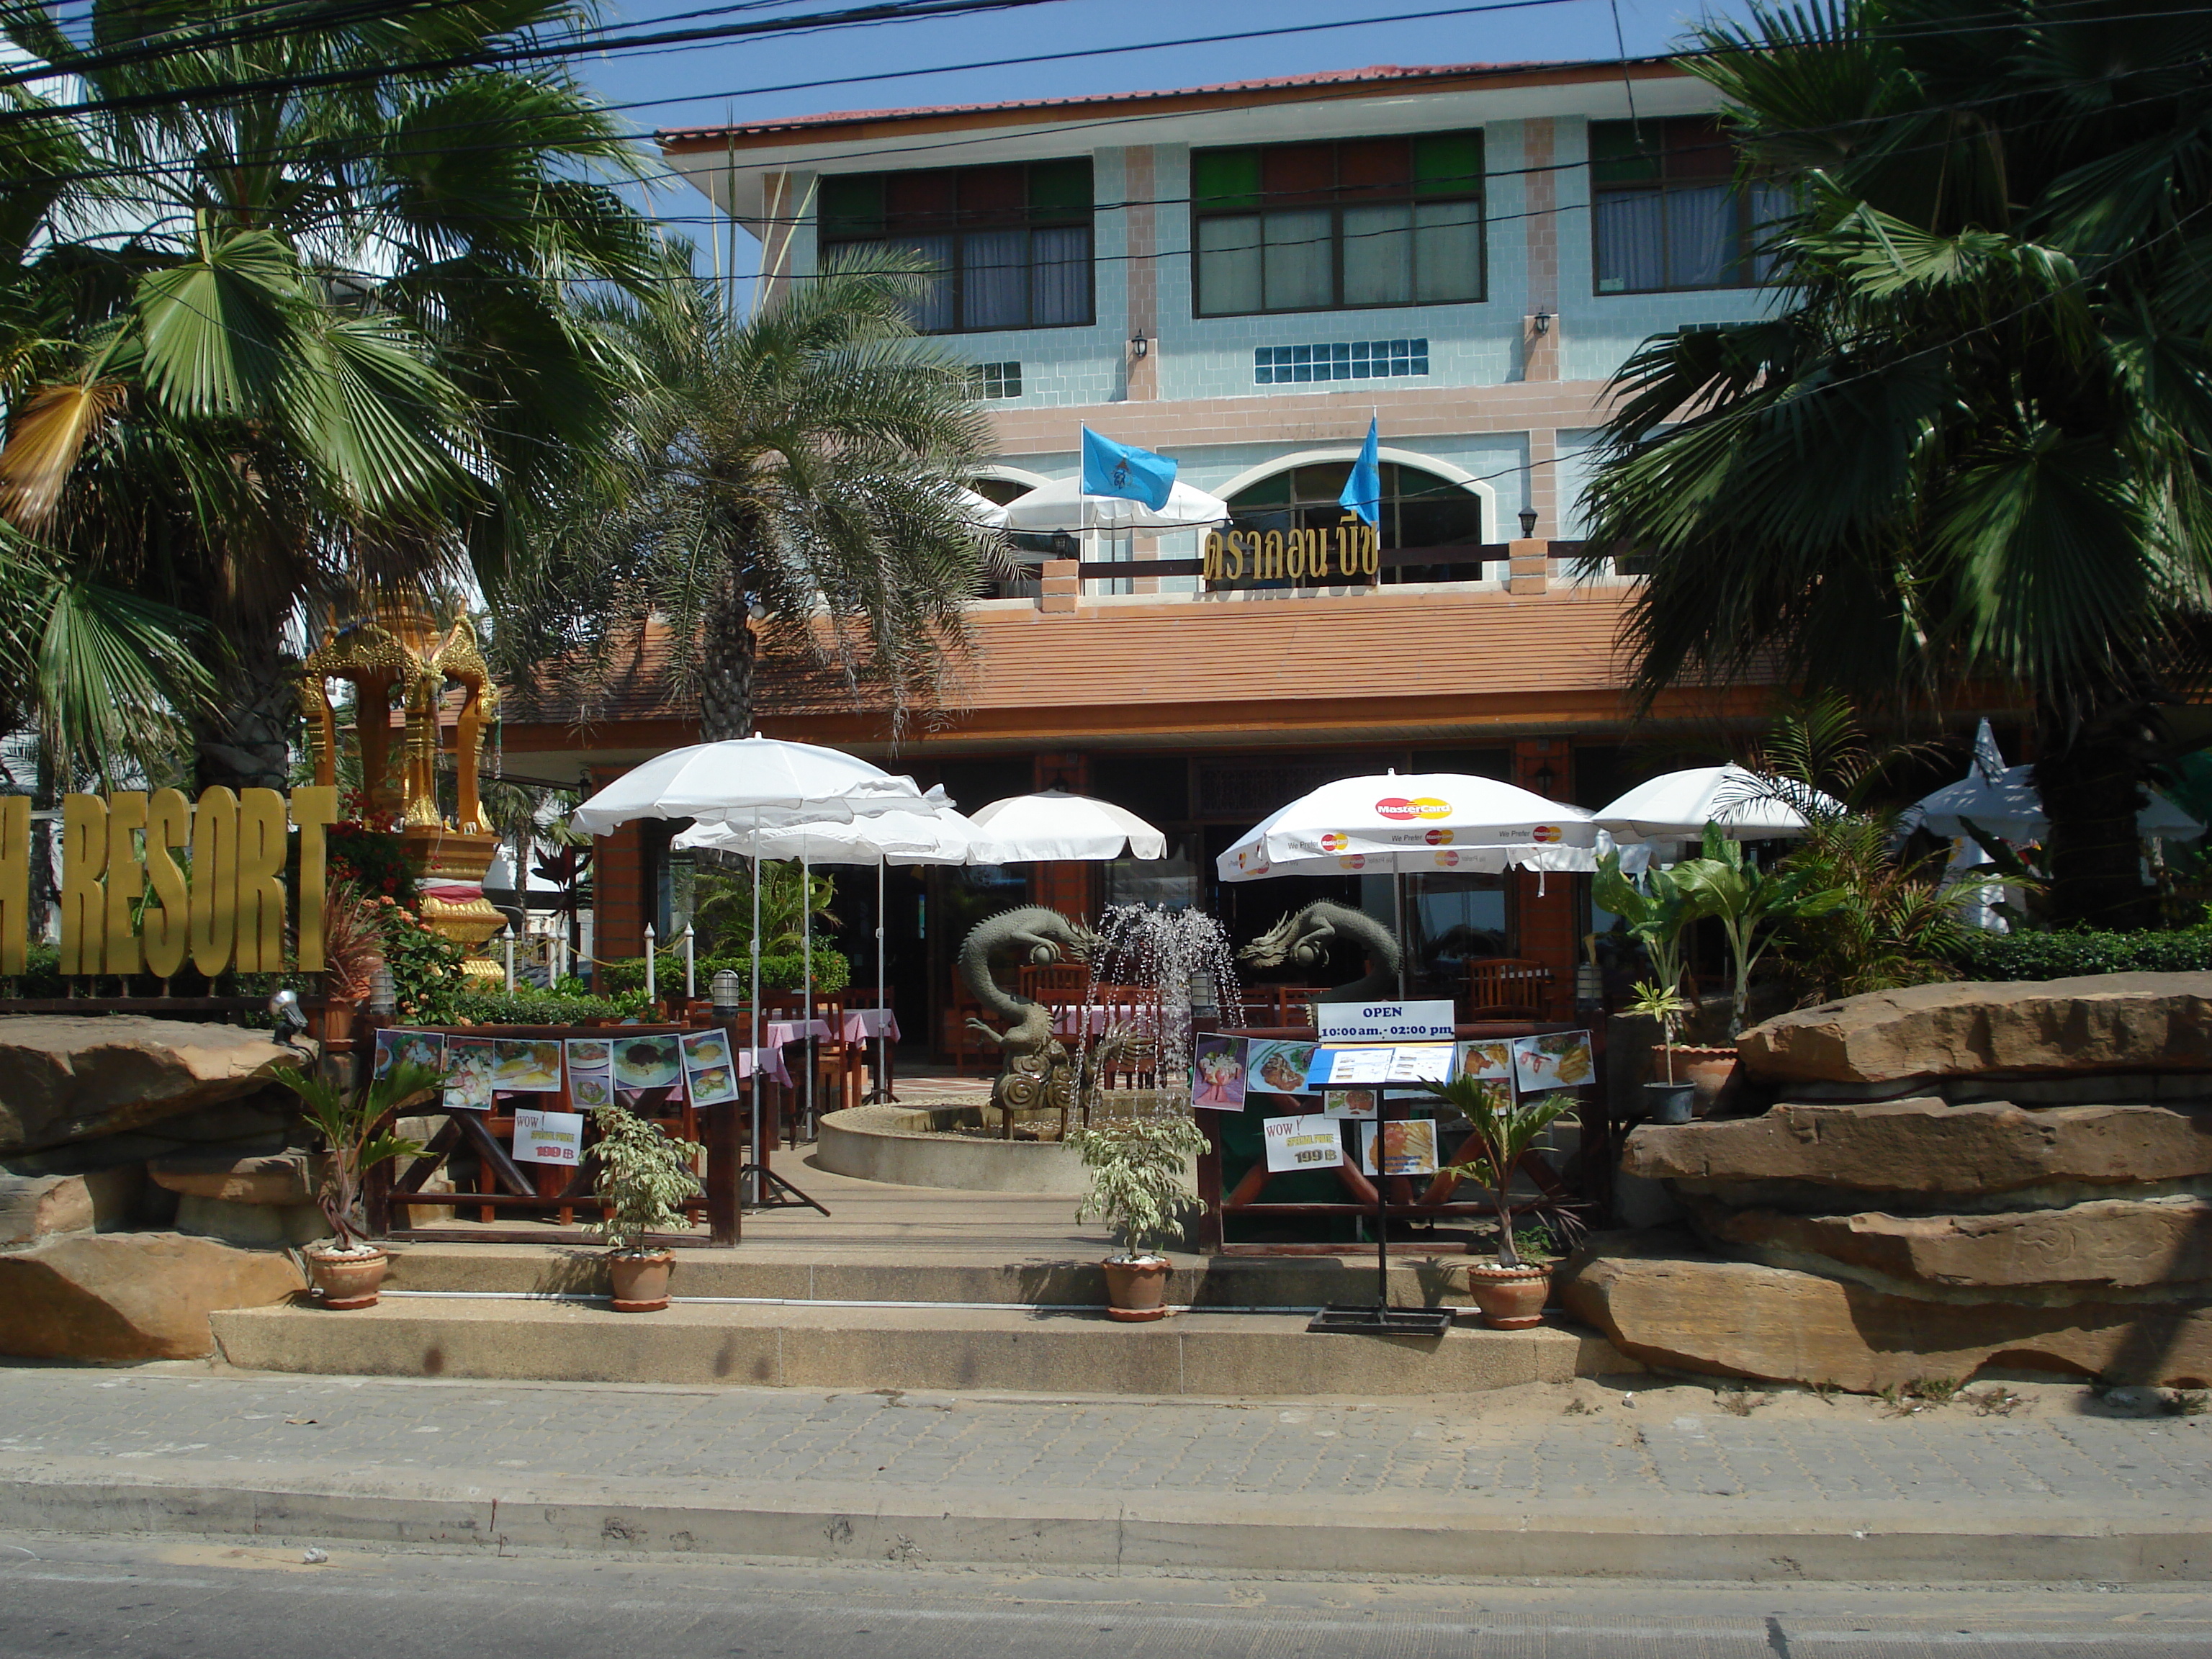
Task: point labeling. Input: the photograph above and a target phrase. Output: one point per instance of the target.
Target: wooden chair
(1509, 988)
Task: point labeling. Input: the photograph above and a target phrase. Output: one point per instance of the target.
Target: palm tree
(794, 481)
(1969, 447)
(286, 342)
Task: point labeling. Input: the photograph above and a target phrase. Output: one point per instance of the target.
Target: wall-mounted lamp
(1139, 346)
(1528, 523)
(1064, 544)
(1542, 320)
(1544, 778)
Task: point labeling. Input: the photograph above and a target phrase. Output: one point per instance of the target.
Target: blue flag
(1362, 490)
(1135, 475)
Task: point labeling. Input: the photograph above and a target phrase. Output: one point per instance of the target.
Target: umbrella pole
(1397, 926)
(757, 1193)
(882, 1090)
(806, 972)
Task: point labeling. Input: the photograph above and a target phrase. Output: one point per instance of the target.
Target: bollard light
(383, 995)
(727, 991)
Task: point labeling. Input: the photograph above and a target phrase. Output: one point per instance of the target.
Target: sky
(750, 80)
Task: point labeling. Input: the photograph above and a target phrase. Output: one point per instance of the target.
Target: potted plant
(1510, 1291)
(348, 1272)
(1750, 905)
(643, 1178)
(1139, 1187)
(1667, 1101)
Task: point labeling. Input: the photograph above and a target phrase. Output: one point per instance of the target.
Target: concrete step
(940, 1276)
(1010, 1349)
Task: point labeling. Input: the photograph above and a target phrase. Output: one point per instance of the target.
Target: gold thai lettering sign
(1338, 554)
(222, 904)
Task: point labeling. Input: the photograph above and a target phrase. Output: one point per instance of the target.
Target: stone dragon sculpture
(1035, 1070)
(1304, 936)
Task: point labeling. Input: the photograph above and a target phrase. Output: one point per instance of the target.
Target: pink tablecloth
(866, 1024)
(1092, 1020)
(768, 1060)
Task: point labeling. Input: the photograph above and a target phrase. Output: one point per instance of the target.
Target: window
(1346, 360)
(1012, 244)
(995, 380)
(1351, 225)
(1419, 510)
(1666, 211)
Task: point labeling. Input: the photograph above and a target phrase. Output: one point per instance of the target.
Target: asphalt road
(147, 1598)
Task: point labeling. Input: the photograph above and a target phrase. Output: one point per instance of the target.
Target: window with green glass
(1668, 210)
(1011, 245)
(1347, 224)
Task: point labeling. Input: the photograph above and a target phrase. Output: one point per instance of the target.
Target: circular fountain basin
(922, 1146)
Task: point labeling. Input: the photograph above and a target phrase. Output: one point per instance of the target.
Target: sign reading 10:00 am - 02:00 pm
(222, 902)
(1339, 553)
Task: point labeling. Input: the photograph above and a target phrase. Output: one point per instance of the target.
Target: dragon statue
(1305, 937)
(1035, 1070)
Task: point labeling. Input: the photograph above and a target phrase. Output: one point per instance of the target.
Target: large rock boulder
(32, 1206)
(1925, 1146)
(1662, 1301)
(2100, 1023)
(2054, 1255)
(130, 1295)
(67, 1077)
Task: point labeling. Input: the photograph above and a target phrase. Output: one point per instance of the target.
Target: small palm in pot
(1504, 1126)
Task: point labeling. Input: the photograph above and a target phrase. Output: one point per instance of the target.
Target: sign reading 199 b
(1341, 553)
(150, 879)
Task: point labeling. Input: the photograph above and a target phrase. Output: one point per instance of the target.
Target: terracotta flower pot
(1137, 1291)
(1510, 1298)
(1710, 1070)
(346, 1281)
(640, 1281)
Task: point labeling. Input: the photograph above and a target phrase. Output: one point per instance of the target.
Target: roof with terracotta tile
(1374, 74)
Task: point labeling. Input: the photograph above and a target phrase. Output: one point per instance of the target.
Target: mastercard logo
(1335, 843)
(1438, 837)
(1545, 832)
(1398, 809)
(1446, 859)
(1353, 862)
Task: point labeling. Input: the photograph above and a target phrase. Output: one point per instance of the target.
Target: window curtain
(1701, 237)
(1299, 254)
(1228, 265)
(1059, 275)
(1378, 255)
(994, 279)
(1448, 252)
(932, 313)
(1769, 202)
(1629, 241)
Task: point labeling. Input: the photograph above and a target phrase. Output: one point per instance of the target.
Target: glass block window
(1344, 360)
(1668, 210)
(1011, 245)
(995, 380)
(1348, 225)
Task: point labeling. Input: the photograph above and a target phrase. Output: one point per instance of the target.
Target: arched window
(1419, 510)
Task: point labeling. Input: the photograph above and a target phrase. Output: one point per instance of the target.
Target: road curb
(826, 1520)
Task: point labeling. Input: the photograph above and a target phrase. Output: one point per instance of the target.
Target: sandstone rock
(31, 1206)
(285, 1178)
(1927, 1146)
(65, 1076)
(2100, 1023)
(130, 1295)
(1661, 1301)
(256, 1225)
(2103, 1245)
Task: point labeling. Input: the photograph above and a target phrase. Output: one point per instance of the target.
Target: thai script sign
(1344, 553)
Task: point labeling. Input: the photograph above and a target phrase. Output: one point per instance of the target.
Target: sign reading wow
(1386, 1022)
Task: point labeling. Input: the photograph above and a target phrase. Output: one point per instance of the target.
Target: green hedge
(779, 972)
(534, 1007)
(2070, 954)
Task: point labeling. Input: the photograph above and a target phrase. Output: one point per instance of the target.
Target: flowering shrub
(373, 861)
(426, 965)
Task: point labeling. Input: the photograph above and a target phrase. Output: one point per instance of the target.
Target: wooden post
(724, 1156)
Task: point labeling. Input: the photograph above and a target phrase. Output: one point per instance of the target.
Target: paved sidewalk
(1653, 1465)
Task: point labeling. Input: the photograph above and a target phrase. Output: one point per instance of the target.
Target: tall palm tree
(791, 479)
(1969, 446)
(269, 331)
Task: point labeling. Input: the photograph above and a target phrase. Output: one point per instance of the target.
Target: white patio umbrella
(1054, 824)
(1744, 805)
(981, 510)
(940, 837)
(1061, 504)
(1416, 821)
(2011, 809)
(758, 781)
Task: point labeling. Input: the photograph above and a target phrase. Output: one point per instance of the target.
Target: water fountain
(1179, 964)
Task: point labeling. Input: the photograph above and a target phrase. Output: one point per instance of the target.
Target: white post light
(690, 963)
(510, 961)
(649, 987)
